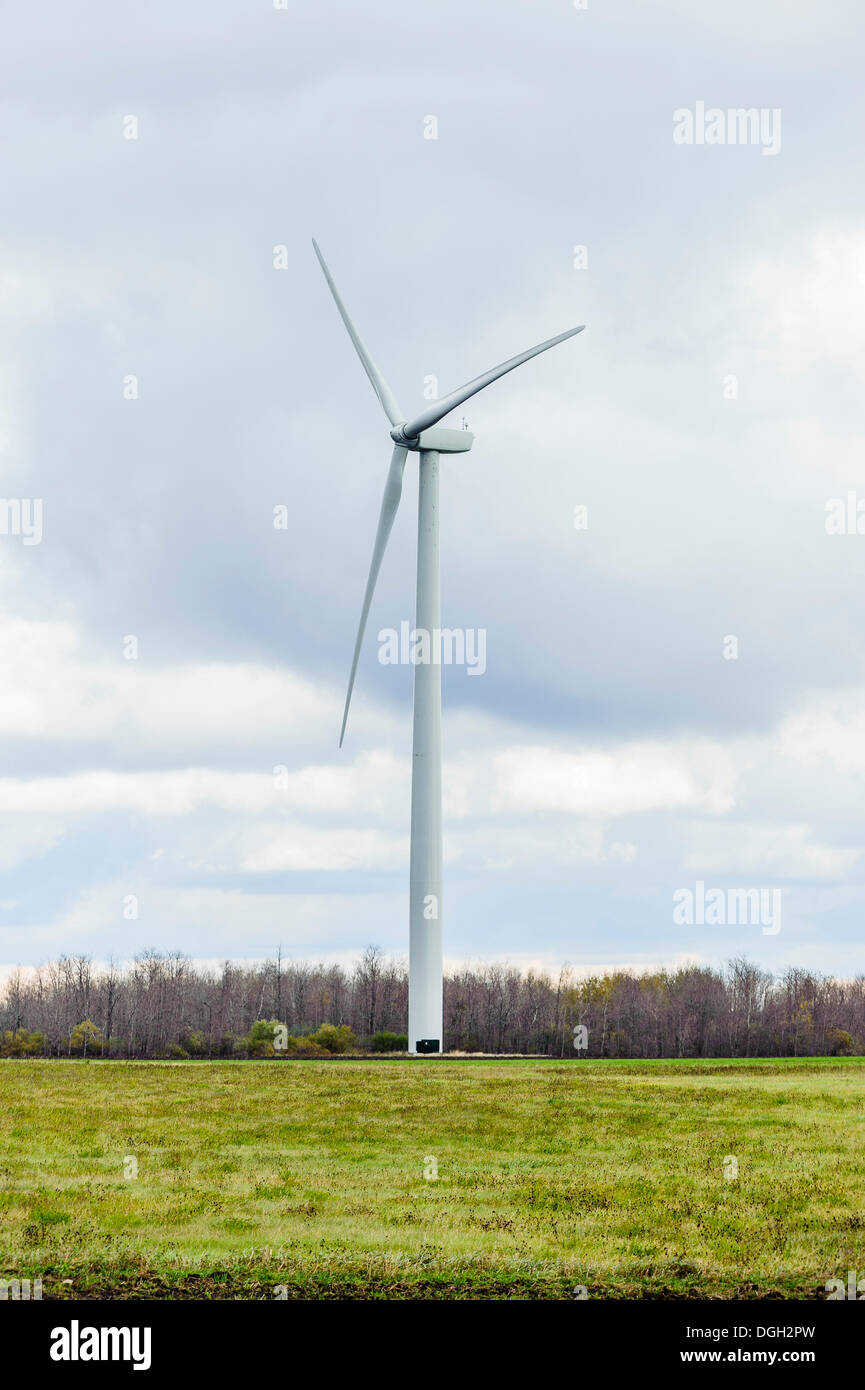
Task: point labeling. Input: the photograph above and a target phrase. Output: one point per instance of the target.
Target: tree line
(163, 1005)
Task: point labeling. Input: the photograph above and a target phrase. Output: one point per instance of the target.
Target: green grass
(311, 1175)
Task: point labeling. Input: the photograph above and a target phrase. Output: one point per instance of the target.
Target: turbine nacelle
(443, 441)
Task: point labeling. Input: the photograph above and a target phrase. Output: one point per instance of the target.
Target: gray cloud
(154, 258)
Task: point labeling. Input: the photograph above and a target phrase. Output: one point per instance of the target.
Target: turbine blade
(379, 385)
(389, 505)
(439, 409)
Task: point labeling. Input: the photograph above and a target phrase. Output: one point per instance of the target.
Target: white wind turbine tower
(421, 436)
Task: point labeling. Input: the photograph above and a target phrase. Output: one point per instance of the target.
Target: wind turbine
(423, 437)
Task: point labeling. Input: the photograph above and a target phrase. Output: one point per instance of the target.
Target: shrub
(389, 1042)
(22, 1043)
(260, 1037)
(840, 1042)
(194, 1042)
(85, 1037)
(334, 1039)
(306, 1047)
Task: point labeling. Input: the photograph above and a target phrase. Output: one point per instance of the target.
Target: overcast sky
(612, 753)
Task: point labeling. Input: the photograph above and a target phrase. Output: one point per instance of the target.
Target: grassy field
(432, 1178)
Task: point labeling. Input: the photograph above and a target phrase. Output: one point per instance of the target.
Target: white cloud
(626, 780)
(310, 926)
(301, 848)
(369, 785)
(777, 851)
(30, 838)
(810, 306)
(52, 688)
(830, 732)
